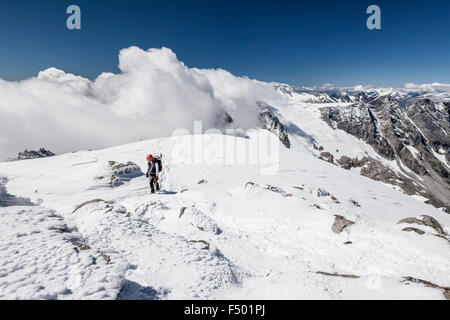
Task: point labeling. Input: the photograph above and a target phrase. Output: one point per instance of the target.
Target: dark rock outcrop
(118, 173)
(335, 274)
(340, 223)
(270, 122)
(31, 154)
(427, 221)
(81, 205)
(418, 231)
(254, 186)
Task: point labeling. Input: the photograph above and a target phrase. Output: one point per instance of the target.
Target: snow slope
(222, 238)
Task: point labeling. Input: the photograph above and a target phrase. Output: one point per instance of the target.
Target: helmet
(149, 157)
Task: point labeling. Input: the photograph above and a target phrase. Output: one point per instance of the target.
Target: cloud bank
(153, 95)
(435, 86)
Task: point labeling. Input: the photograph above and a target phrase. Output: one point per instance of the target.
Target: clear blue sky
(302, 43)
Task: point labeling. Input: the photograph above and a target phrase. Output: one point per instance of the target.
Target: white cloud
(153, 95)
(428, 86)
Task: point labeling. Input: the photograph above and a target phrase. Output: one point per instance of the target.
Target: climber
(154, 168)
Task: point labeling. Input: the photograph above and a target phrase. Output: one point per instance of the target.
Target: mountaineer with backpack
(154, 168)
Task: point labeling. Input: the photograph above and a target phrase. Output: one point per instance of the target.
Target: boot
(152, 187)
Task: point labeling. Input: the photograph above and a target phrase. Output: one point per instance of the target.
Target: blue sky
(301, 43)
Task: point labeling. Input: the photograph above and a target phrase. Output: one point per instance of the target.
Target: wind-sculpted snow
(168, 262)
(116, 173)
(7, 199)
(274, 239)
(39, 259)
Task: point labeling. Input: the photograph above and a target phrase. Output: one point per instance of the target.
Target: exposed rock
(348, 242)
(425, 282)
(105, 257)
(277, 190)
(202, 181)
(433, 223)
(128, 168)
(81, 246)
(340, 223)
(223, 119)
(348, 163)
(376, 170)
(426, 221)
(418, 231)
(335, 274)
(62, 229)
(118, 173)
(30, 154)
(446, 290)
(86, 203)
(109, 209)
(411, 220)
(322, 193)
(447, 294)
(206, 247)
(327, 156)
(182, 212)
(254, 186)
(355, 203)
(271, 123)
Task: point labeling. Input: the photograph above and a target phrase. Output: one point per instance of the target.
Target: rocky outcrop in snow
(270, 122)
(340, 223)
(118, 173)
(427, 221)
(30, 154)
(252, 187)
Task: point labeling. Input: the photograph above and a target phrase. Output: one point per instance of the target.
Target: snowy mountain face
(411, 132)
(408, 130)
(346, 214)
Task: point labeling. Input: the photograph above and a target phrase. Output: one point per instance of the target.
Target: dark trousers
(154, 183)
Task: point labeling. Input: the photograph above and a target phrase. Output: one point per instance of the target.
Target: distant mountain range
(408, 127)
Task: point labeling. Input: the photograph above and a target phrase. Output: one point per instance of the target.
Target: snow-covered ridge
(313, 230)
